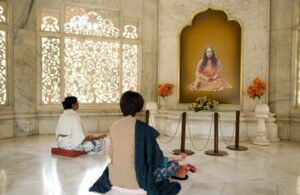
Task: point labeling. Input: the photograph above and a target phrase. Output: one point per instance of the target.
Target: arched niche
(211, 28)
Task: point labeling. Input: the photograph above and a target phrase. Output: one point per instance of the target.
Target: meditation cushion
(70, 153)
(181, 173)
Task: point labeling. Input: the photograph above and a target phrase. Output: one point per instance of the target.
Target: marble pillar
(280, 63)
(24, 63)
(294, 117)
(150, 50)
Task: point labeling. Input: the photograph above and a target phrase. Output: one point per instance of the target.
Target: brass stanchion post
(216, 151)
(237, 135)
(147, 116)
(183, 129)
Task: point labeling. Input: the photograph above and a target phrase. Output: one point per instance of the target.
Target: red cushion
(63, 152)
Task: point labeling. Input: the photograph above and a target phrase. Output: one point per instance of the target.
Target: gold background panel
(211, 28)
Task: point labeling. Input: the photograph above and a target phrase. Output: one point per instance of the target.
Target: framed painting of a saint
(208, 74)
(210, 59)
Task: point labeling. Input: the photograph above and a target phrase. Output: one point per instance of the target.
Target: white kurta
(69, 123)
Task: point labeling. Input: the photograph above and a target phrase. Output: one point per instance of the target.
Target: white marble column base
(261, 140)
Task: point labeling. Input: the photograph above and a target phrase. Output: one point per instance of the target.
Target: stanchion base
(214, 153)
(178, 151)
(239, 148)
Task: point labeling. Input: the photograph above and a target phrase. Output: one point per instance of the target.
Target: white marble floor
(27, 167)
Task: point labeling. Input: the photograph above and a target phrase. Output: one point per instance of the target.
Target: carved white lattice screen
(51, 70)
(3, 54)
(93, 59)
(96, 78)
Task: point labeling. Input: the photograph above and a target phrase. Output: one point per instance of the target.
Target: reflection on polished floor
(27, 167)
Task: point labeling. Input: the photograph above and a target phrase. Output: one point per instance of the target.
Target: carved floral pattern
(96, 67)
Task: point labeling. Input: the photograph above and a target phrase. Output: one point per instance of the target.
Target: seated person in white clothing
(69, 131)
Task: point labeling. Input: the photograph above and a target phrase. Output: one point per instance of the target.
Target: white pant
(95, 146)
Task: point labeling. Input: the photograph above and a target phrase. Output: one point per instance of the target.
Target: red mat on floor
(70, 153)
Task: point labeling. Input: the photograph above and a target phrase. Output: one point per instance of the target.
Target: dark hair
(214, 59)
(69, 101)
(131, 103)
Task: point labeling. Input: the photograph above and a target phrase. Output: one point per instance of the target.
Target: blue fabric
(148, 156)
(166, 172)
(165, 187)
(102, 185)
(164, 162)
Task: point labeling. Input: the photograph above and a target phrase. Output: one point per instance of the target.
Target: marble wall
(267, 47)
(254, 18)
(150, 50)
(284, 59)
(24, 115)
(269, 50)
(294, 117)
(280, 62)
(25, 67)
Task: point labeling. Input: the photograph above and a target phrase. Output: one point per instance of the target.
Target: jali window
(3, 53)
(88, 56)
